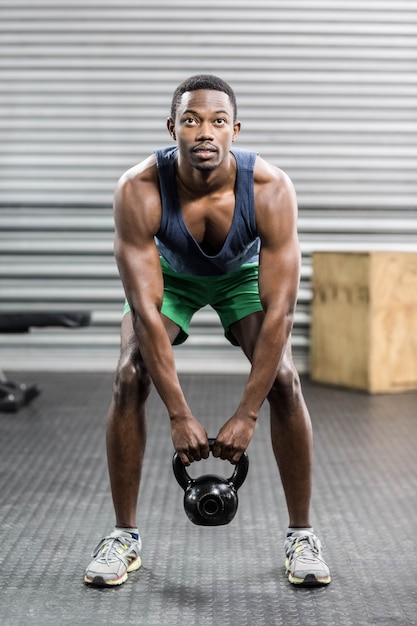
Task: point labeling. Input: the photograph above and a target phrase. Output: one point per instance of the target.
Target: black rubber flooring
(55, 506)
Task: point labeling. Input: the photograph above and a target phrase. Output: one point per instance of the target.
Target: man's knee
(131, 379)
(286, 389)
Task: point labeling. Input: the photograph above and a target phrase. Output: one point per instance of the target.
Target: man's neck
(200, 182)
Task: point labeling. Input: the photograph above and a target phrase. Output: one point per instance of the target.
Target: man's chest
(209, 220)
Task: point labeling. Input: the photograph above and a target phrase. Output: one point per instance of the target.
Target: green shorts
(233, 296)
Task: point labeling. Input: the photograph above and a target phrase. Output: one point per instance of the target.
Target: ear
(171, 128)
(236, 130)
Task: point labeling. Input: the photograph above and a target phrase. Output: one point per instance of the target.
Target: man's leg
(126, 424)
(118, 553)
(290, 425)
(126, 427)
(292, 443)
(292, 440)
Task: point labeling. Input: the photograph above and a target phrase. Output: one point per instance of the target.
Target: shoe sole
(99, 581)
(309, 581)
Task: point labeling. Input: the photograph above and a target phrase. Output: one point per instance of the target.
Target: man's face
(204, 128)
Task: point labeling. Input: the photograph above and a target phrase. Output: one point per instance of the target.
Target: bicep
(140, 272)
(280, 257)
(135, 251)
(279, 271)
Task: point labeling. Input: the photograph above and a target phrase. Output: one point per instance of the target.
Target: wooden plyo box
(364, 320)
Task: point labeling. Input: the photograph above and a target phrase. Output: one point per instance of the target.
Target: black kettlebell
(210, 500)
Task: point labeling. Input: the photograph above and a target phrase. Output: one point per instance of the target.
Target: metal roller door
(326, 90)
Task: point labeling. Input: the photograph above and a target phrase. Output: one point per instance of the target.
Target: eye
(189, 121)
(220, 121)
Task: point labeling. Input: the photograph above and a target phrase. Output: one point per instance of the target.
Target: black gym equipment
(210, 500)
(14, 395)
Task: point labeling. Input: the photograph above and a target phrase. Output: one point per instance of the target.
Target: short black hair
(202, 81)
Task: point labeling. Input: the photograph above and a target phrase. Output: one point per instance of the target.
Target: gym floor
(56, 506)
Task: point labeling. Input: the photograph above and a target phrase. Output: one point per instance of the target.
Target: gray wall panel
(327, 90)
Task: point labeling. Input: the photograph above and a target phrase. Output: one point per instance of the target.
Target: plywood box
(364, 320)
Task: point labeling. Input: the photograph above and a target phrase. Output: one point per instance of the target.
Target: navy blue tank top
(175, 242)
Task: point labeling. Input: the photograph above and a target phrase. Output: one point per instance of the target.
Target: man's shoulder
(138, 186)
(266, 173)
(143, 172)
(275, 197)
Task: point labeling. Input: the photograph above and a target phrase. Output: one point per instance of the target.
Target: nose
(204, 132)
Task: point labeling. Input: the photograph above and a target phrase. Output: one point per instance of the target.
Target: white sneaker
(113, 558)
(304, 563)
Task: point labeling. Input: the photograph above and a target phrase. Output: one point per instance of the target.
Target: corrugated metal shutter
(326, 90)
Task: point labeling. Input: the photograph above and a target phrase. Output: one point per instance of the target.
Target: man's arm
(279, 269)
(279, 273)
(137, 215)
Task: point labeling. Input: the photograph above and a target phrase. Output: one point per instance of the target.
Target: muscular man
(203, 223)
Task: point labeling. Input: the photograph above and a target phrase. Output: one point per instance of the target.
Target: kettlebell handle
(236, 480)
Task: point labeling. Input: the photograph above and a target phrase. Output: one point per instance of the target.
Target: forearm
(158, 356)
(236, 434)
(188, 435)
(268, 353)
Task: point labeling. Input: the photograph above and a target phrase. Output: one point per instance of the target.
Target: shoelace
(303, 544)
(113, 549)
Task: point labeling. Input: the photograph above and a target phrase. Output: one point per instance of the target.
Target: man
(198, 224)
